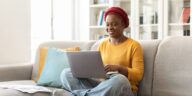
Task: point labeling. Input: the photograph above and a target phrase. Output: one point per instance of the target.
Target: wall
(14, 31)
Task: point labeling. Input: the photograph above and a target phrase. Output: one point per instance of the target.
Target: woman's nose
(110, 27)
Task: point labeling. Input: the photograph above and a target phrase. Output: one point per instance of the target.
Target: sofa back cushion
(95, 46)
(83, 45)
(173, 67)
(149, 50)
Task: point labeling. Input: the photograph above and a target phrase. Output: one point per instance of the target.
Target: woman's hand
(121, 69)
(109, 68)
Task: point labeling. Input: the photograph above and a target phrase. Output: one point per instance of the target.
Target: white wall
(14, 31)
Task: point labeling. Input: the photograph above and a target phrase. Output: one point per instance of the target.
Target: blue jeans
(116, 85)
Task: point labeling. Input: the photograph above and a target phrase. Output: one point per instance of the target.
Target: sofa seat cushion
(12, 92)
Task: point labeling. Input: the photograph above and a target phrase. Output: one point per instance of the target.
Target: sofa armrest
(15, 72)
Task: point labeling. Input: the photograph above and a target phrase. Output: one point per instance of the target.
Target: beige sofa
(168, 68)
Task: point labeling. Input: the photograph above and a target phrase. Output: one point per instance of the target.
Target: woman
(119, 53)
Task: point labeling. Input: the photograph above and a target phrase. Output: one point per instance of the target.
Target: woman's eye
(114, 24)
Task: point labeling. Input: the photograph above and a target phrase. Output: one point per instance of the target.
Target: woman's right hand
(110, 67)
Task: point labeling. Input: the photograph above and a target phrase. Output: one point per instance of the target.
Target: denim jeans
(115, 85)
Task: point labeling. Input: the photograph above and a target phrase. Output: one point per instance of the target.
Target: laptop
(86, 64)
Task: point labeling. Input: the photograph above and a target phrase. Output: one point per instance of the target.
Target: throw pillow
(42, 56)
(55, 62)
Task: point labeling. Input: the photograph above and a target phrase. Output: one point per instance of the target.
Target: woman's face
(114, 26)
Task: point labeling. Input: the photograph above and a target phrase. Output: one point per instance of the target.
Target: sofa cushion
(10, 72)
(173, 67)
(95, 46)
(149, 49)
(12, 92)
(42, 57)
(56, 61)
(83, 45)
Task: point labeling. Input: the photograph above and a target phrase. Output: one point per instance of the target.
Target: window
(51, 20)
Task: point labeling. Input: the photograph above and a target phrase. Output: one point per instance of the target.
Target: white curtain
(51, 20)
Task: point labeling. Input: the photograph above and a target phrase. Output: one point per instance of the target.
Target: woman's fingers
(107, 68)
(111, 68)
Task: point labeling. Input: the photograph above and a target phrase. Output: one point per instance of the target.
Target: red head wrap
(120, 12)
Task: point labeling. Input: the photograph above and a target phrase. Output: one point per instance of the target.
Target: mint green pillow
(56, 61)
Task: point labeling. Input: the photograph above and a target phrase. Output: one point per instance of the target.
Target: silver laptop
(86, 64)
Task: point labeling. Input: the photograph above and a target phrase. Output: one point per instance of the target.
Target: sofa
(167, 62)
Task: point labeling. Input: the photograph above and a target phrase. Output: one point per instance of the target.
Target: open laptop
(86, 64)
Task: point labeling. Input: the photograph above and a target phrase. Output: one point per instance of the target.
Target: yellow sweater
(128, 54)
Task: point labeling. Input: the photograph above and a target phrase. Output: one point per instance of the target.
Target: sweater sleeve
(135, 73)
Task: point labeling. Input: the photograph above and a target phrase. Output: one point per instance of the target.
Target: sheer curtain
(63, 19)
(51, 20)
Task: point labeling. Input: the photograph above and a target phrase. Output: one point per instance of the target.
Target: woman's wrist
(123, 70)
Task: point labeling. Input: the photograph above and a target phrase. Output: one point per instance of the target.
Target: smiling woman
(121, 55)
